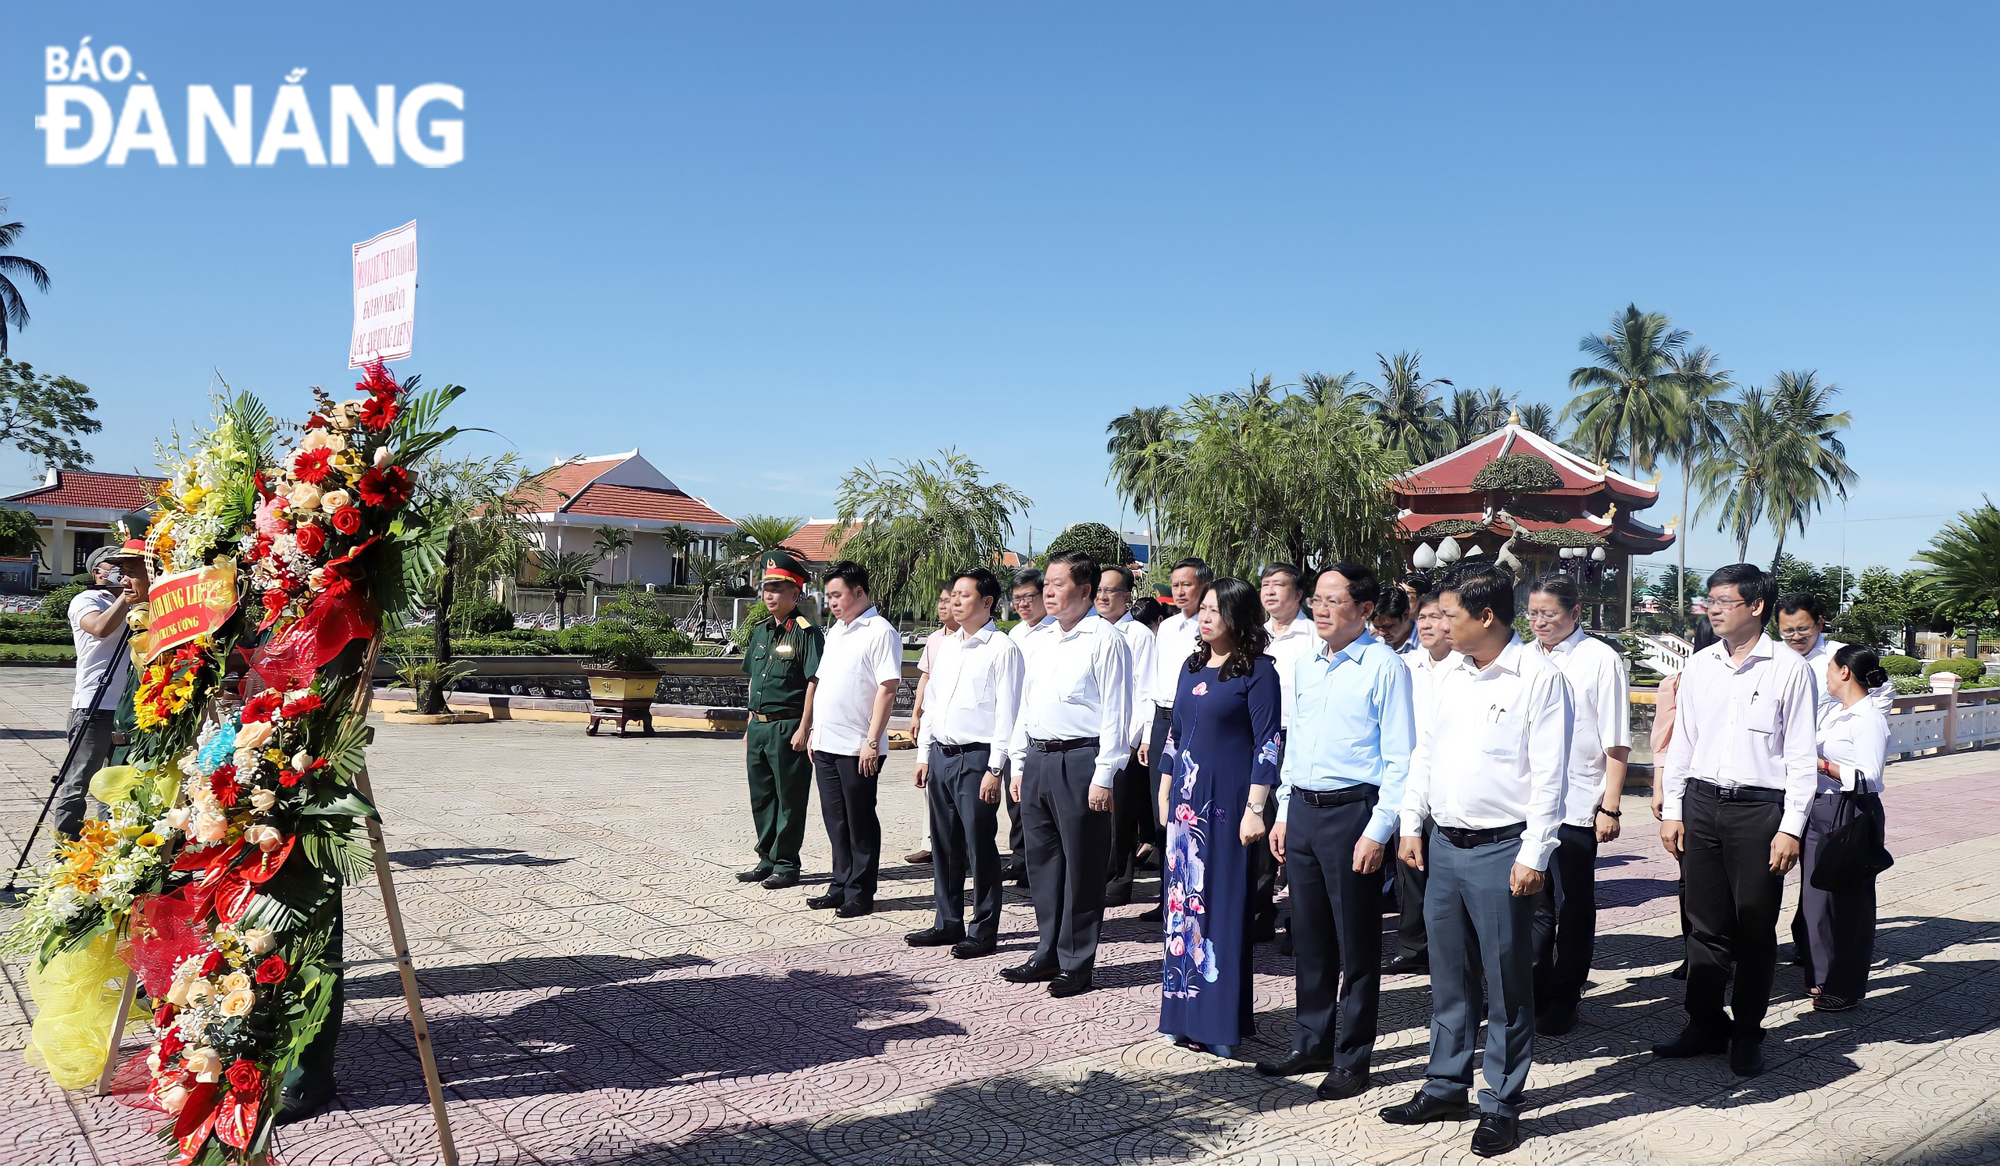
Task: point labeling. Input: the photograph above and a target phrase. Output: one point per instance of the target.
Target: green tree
(1736, 479)
(1473, 414)
(608, 541)
(18, 533)
(477, 510)
(41, 415)
(1626, 391)
(1691, 433)
(13, 307)
(923, 522)
(1141, 442)
(1963, 563)
(1829, 584)
(1409, 416)
(708, 572)
(1095, 539)
(564, 572)
(1539, 420)
(1330, 390)
(768, 532)
(678, 538)
(1809, 465)
(1890, 607)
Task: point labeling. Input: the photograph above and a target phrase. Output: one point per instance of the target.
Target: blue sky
(765, 243)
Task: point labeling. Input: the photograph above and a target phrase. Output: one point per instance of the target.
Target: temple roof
(1453, 473)
(1619, 530)
(619, 485)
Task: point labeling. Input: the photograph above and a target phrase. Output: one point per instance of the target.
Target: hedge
(1962, 668)
(1899, 665)
(33, 629)
(1449, 528)
(55, 605)
(1517, 471)
(1561, 537)
(62, 652)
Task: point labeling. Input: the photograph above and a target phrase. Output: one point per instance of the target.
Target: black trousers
(847, 803)
(1156, 744)
(1566, 918)
(1336, 931)
(1732, 907)
(964, 831)
(1835, 929)
(1412, 941)
(1069, 845)
(1132, 821)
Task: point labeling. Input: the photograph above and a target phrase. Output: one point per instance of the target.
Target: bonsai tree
(1097, 540)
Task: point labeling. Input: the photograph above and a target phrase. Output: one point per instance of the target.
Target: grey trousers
(73, 786)
(1069, 845)
(1839, 926)
(1478, 926)
(964, 839)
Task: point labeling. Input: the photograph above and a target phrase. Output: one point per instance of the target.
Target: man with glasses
(1740, 776)
(1133, 788)
(1802, 625)
(1600, 742)
(1413, 955)
(1032, 617)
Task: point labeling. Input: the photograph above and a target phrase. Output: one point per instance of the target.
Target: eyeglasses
(1725, 604)
(1544, 616)
(1318, 604)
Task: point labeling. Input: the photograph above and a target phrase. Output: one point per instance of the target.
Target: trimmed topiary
(1962, 668)
(1517, 471)
(1899, 665)
(1095, 539)
(1449, 528)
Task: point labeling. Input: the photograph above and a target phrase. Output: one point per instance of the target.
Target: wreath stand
(405, 967)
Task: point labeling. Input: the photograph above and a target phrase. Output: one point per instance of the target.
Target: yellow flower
(192, 498)
(150, 840)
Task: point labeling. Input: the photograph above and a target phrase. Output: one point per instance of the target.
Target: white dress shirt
(1424, 672)
(1077, 684)
(1495, 751)
(974, 693)
(1745, 725)
(1600, 690)
(1290, 644)
(1856, 738)
(1143, 647)
(1173, 643)
(1022, 630)
(1820, 660)
(861, 655)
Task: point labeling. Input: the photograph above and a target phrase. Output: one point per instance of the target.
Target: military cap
(783, 568)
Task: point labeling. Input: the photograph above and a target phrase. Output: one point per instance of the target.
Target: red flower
(347, 520)
(273, 971)
(375, 380)
(301, 706)
(384, 487)
(315, 422)
(224, 787)
(313, 465)
(274, 601)
(260, 707)
(163, 1017)
(379, 412)
(311, 538)
(209, 965)
(244, 1078)
(287, 778)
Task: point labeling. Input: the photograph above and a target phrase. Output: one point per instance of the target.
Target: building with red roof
(625, 491)
(75, 510)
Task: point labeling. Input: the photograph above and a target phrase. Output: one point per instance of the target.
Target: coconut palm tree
(609, 541)
(482, 506)
(564, 572)
(923, 522)
(708, 573)
(678, 539)
(1329, 391)
(13, 308)
(1410, 418)
(1692, 432)
(1473, 414)
(1539, 420)
(1736, 479)
(1626, 390)
(1140, 447)
(1810, 464)
(1964, 561)
(765, 533)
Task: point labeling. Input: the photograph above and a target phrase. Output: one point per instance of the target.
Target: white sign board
(385, 297)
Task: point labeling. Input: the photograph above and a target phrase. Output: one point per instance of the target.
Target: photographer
(97, 624)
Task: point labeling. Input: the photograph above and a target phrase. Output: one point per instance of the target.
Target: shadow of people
(450, 856)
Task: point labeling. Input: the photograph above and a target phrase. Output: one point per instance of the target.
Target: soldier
(783, 656)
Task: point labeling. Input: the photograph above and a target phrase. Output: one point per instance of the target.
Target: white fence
(1943, 721)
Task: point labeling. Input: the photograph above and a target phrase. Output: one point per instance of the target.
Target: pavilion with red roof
(1519, 497)
(75, 510)
(622, 490)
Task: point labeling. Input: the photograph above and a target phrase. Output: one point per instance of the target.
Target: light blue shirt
(1354, 724)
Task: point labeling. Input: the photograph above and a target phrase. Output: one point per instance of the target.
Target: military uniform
(782, 657)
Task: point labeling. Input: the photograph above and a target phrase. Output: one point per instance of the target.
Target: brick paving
(600, 990)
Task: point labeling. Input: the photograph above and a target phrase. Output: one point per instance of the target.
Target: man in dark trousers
(781, 661)
(847, 709)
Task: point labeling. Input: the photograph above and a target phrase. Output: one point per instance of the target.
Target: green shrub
(55, 605)
(21, 652)
(1899, 665)
(751, 615)
(1910, 685)
(1982, 682)
(46, 633)
(481, 617)
(1962, 668)
(1517, 471)
(1095, 539)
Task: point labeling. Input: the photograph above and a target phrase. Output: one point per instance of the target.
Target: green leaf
(344, 804)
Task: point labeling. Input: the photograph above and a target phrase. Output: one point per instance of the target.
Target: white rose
(254, 736)
(263, 799)
(333, 500)
(300, 760)
(317, 579)
(177, 818)
(304, 496)
(199, 990)
(382, 457)
(259, 940)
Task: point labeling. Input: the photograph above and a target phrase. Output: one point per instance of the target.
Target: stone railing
(1944, 719)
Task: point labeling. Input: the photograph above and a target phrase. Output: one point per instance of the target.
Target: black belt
(769, 718)
(1737, 793)
(1062, 746)
(955, 750)
(1335, 797)
(1467, 839)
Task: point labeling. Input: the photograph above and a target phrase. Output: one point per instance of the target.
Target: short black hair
(1563, 590)
(1752, 583)
(1421, 582)
(982, 579)
(1202, 571)
(1364, 587)
(1124, 574)
(1149, 610)
(1292, 575)
(1804, 601)
(1487, 587)
(849, 572)
(1426, 599)
(1083, 569)
(1031, 577)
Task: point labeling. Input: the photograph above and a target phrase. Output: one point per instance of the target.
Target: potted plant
(623, 680)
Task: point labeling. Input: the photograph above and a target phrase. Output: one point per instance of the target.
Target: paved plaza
(601, 990)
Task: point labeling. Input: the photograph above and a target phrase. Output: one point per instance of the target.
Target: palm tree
(923, 522)
(1473, 415)
(14, 309)
(765, 533)
(1260, 394)
(563, 572)
(1811, 463)
(1736, 479)
(1140, 447)
(481, 505)
(1627, 389)
(1693, 430)
(1964, 561)
(1326, 391)
(678, 539)
(1539, 420)
(609, 541)
(1409, 417)
(708, 572)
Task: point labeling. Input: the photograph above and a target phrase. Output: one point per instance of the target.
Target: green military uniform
(781, 658)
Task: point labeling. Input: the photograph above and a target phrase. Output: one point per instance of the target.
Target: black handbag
(1852, 853)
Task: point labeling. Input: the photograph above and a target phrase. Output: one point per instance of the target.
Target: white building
(623, 490)
(75, 510)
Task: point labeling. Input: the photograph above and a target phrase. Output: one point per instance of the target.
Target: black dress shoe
(1828, 1002)
(1495, 1135)
(972, 949)
(1030, 973)
(780, 880)
(1426, 1107)
(1016, 873)
(1294, 1065)
(826, 902)
(1406, 965)
(1692, 1042)
(1680, 973)
(1118, 898)
(1152, 916)
(932, 937)
(1342, 1084)
(1746, 1055)
(855, 910)
(1067, 984)
(754, 875)
(298, 1105)
(1285, 942)
(1555, 1020)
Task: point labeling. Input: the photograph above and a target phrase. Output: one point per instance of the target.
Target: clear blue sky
(767, 242)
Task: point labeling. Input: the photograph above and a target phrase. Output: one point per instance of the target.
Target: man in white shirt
(1413, 954)
(1601, 691)
(1396, 619)
(975, 692)
(946, 627)
(1282, 592)
(1071, 739)
(1131, 818)
(1173, 641)
(1739, 779)
(1802, 625)
(1031, 617)
(103, 665)
(1488, 774)
(848, 705)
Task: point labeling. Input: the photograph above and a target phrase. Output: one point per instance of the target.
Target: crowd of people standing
(1367, 742)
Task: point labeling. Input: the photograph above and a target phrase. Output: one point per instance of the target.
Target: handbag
(1852, 853)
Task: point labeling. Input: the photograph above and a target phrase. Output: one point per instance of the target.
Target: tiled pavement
(600, 990)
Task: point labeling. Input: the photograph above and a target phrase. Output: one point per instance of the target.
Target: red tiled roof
(121, 492)
(1454, 472)
(1621, 531)
(563, 483)
(642, 502)
(815, 541)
